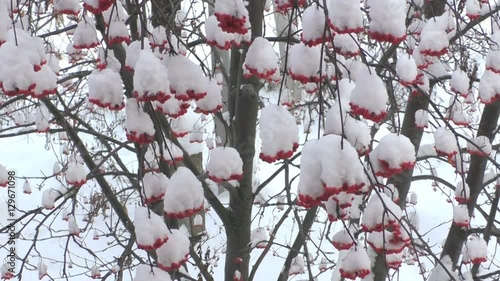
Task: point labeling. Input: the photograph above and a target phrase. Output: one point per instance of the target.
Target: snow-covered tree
(250, 139)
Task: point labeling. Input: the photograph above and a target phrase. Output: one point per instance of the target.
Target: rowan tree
(278, 138)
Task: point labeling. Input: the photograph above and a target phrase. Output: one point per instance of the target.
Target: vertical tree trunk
(403, 181)
(243, 108)
(457, 235)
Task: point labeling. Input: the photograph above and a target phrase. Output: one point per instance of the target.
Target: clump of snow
(85, 36)
(298, 266)
(154, 186)
(313, 26)
(187, 80)
(394, 154)
(356, 263)
(261, 60)
(225, 164)
(345, 16)
(150, 78)
(67, 7)
(462, 192)
(304, 64)
(460, 82)
(173, 254)
(138, 125)
(479, 146)
(445, 142)
(342, 240)
(387, 20)
(461, 215)
(184, 196)
(150, 229)
(172, 153)
(356, 132)
(212, 102)
(232, 16)
(489, 87)
(380, 213)
(369, 96)
(476, 250)
(278, 132)
(346, 45)
(145, 272)
(421, 118)
(258, 238)
(105, 89)
(76, 175)
(407, 70)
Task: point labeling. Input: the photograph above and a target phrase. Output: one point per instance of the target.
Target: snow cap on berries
(225, 164)
(150, 229)
(184, 196)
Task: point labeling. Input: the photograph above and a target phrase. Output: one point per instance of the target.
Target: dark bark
(403, 180)
(164, 12)
(457, 235)
(243, 107)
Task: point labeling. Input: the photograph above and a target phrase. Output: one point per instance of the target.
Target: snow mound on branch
(421, 118)
(313, 26)
(356, 263)
(85, 36)
(212, 102)
(310, 187)
(445, 142)
(298, 266)
(369, 96)
(376, 217)
(394, 154)
(225, 164)
(480, 146)
(105, 89)
(341, 169)
(329, 166)
(173, 254)
(184, 196)
(67, 7)
(172, 107)
(150, 229)
(407, 70)
(476, 250)
(118, 33)
(138, 125)
(49, 197)
(489, 87)
(187, 80)
(356, 132)
(258, 238)
(387, 20)
(146, 272)
(345, 16)
(232, 16)
(460, 82)
(216, 36)
(172, 153)
(304, 64)
(76, 175)
(342, 240)
(461, 215)
(261, 60)
(42, 118)
(155, 185)
(462, 192)
(434, 38)
(150, 78)
(278, 132)
(133, 51)
(346, 45)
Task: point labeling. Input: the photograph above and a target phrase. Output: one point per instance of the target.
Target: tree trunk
(243, 103)
(403, 180)
(457, 235)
